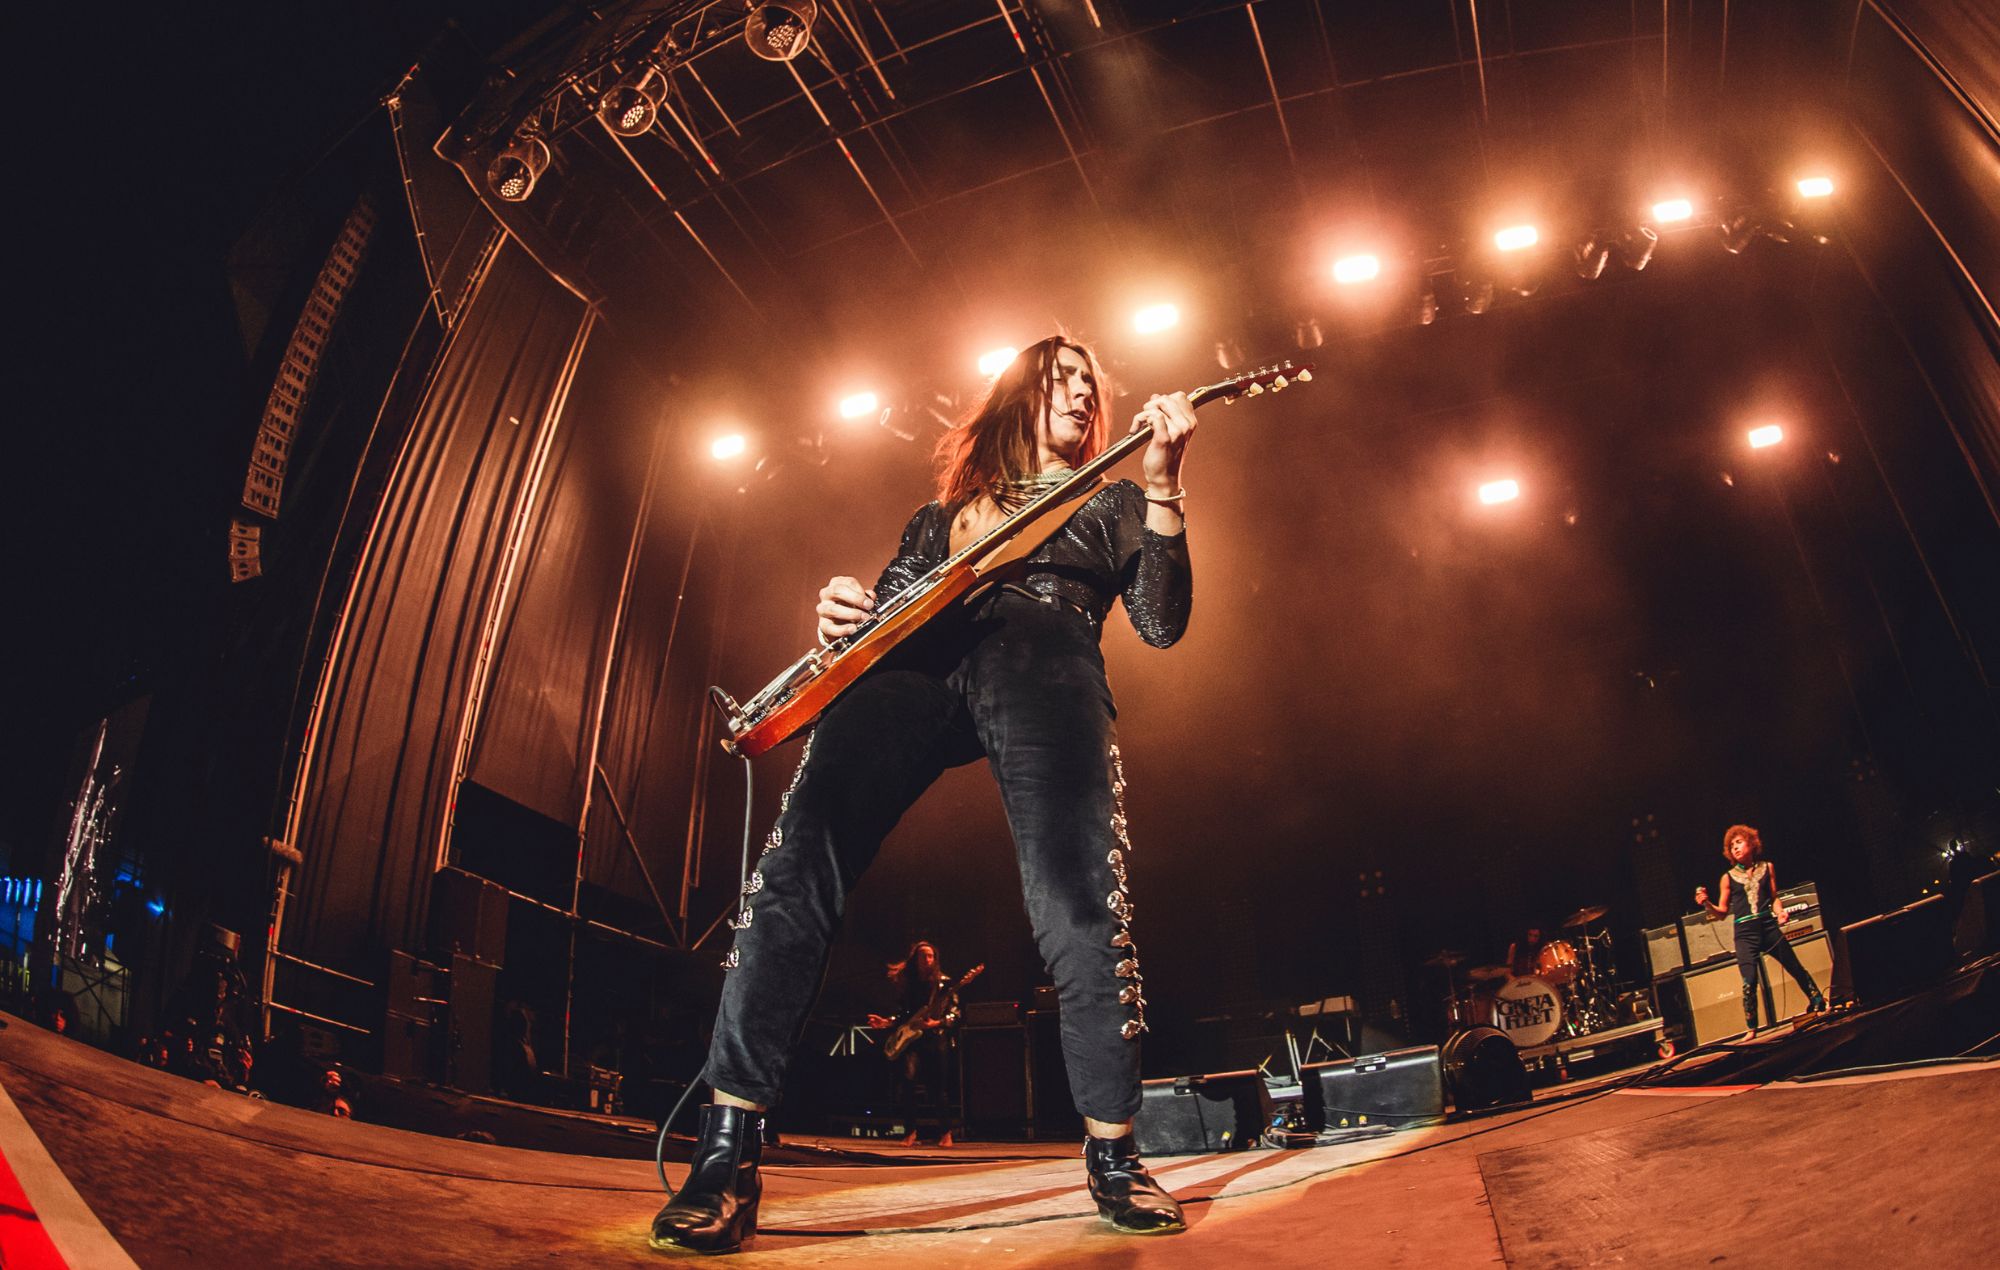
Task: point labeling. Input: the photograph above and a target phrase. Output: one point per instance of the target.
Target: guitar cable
(743, 880)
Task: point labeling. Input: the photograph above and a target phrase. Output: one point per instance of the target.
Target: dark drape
(536, 725)
(384, 745)
(1925, 222)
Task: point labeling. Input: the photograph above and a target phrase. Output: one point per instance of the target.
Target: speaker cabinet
(469, 1051)
(468, 915)
(993, 1078)
(1399, 1088)
(1708, 1000)
(1187, 1114)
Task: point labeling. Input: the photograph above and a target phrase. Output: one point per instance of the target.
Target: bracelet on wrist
(1168, 499)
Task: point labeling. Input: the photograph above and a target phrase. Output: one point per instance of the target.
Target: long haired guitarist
(921, 1033)
(1014, 675)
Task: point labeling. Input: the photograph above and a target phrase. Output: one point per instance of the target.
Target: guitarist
(925, 995)
(1016, 677)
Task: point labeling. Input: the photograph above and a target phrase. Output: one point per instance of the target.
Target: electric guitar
(944, 999)
(809, 685)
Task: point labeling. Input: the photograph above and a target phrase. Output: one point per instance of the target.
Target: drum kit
(1569, 993)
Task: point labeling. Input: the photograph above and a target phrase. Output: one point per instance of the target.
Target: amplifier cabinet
(1399, 1088)
(993, 1080)
(1664, 951)
(1182, 1115)
(1708, 1000)
(1711, 939)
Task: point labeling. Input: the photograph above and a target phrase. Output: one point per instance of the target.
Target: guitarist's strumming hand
(1172, 420)
(844, 604)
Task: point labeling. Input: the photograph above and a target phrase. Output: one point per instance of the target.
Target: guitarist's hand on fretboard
(844, 604)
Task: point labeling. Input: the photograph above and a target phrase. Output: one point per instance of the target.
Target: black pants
(1021, 681)
(1755, 937)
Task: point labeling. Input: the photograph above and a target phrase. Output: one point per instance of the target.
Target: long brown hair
(996, 441)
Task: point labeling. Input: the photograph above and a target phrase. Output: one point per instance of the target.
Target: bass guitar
(790, 702)
(944, 1000)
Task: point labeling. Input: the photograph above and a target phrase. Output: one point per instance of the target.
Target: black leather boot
(716, 1208)
(1750, 1009)
(1126, 1195)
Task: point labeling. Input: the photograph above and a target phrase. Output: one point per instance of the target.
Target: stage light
(994, 361)
(1672, 210)
(1427, 306)
(1517, 237)
(728, 446)
(780, 32)
(1592, 255)
(1635, 247)
(1768, 435)
(1349, 270)
(1737, 232)
(631, 106)
(1155, 318)
(1815, 187)
(513, 173)
(1228, 354)
(1309, 335)
(1478, 298)
(1499, 492)
(855, 405)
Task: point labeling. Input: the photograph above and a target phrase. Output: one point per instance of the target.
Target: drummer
(1524, 954)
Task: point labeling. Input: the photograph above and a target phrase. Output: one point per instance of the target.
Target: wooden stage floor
(111, 1164)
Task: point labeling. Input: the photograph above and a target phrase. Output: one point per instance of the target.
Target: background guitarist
(925, 995)
(1019, 678)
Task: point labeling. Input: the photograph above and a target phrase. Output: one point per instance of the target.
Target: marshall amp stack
(1695, 975)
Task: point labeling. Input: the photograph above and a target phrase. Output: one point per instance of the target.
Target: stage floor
(117, 1164)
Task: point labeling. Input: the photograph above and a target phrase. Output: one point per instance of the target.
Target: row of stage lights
(1361, 269)
(1507, 489)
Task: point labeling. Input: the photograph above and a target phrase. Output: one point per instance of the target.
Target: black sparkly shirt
(1103, 553)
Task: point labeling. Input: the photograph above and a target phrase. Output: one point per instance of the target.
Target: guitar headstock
(1275, 378)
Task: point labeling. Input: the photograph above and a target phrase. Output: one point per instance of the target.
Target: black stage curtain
(385, 744)
(1926, 225)
(536, 725)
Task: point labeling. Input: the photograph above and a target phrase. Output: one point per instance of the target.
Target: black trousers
(1021, 681)
(1760, 935)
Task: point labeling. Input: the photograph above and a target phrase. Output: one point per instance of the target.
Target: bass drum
(1529, 1009)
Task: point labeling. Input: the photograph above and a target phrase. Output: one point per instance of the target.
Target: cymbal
(1444, 958)
(1585, 916)
(1482, 974)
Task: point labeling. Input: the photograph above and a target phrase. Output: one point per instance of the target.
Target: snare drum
(1558, 962)
(1529, 1009)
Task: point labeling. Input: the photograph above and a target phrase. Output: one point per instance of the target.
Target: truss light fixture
(993, 361)
(1635, 247)
(513, 173)
(728, 446)
(632, 105)
(1505, 491)
(1517, 237)
(1349, 270)
(1155, 318)
(1592, 255)
(780, 31)
(1672, 211)
(1762, 438)
(858, 405)
(1816, 187)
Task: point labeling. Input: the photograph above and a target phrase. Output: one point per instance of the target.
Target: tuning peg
(1253, 390)
(1278, 384)
(1304, 377)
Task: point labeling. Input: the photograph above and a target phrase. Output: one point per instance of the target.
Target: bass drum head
(1528, 1009)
